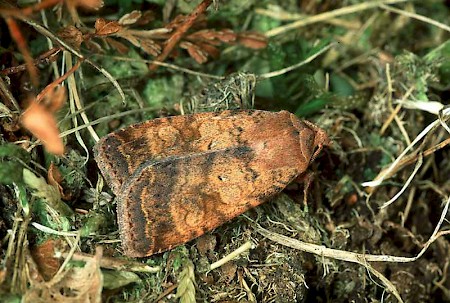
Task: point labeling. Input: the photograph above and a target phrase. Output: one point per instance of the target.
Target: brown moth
(176, 178)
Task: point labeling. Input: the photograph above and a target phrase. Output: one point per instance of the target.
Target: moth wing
(169, 202)
(121, 153)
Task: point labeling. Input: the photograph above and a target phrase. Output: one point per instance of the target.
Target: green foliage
(113, 279)
(441, 57)
(14, 151)
(93, 223)
(124, 5)
(422, 72)
(49, 217)
(10, 172)
(50, 210)
(73, 171)
(164, 91)
(12, 160)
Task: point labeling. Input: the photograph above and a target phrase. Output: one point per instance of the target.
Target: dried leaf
(150, 47)
(118, 46)
(79, 284)
(146, 17)
(105, 28)
(226, 36)
(195, 52)
(71, 35)
(177, 21)
(132, 39)
(209, 49)
(130, 18)
(39, 120)
(252, 40)
(43, 255)
(55, 178)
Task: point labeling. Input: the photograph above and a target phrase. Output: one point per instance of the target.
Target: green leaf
(49, 193)
(14, 151)
(10, 172)
(93, 223)
(340, 86)
(311, 107)
(116, 279)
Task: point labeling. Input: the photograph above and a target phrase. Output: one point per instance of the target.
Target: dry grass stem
(329, 15)
(243, 248)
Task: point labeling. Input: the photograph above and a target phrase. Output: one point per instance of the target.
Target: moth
(179, 177)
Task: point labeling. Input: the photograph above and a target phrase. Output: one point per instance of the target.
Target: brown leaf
(105, 28)
(150, 47)
(77, 284)
(130, 18)
(211, 50)
(118, 46)
(43, 255)
(177, 21)
(71, 35)
(39, 120)
(146, 17)
(226, 35)
(55, 178)
(206, 244)
(195, 52)
(132, 39)
(252, 40)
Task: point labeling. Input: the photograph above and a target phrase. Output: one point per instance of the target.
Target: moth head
(311, 139)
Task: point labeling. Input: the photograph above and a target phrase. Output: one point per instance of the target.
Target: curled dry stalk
(402, 161)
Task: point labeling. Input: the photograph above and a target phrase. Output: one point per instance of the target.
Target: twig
(166, 292)
(6, 95)
(59, 274)
(413, 158)
(74, 100)
(47, 57)
(348, 256)
(180, 31)
(104, 119)
(51, 231)
(168, 65)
